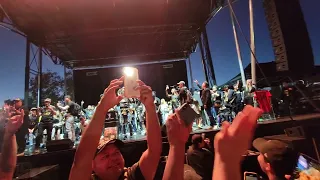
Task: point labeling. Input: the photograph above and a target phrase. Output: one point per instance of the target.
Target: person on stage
(249, 93)
(46, 122)
(174, 96)
(157, 103)
(23, 130)
(71, 108)
(107, 163)
(185, 95)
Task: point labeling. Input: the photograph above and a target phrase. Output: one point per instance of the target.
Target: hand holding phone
(187, 114)
(131, 76)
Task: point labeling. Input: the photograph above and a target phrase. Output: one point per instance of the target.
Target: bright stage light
(128, 71)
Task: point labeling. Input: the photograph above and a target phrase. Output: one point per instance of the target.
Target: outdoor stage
(135, 147)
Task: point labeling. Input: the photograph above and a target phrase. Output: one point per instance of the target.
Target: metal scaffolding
(206, 57)
(37, 61)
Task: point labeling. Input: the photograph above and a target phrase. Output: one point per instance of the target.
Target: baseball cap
(282, 157)
(47, 100)
(33, 109)
(103, 143)
(17, 100)
(181, 82)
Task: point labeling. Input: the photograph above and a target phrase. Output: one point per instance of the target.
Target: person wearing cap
(185, 95)
(108, 163)
(23, 130)
(33, 119)
(277, 159)
(46, 122)
(200, 158)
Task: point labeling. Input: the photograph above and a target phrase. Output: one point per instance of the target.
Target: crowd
(101, 158)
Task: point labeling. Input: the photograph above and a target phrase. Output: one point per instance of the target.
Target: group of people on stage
(68, 119)
(54, 120)
(100, 158)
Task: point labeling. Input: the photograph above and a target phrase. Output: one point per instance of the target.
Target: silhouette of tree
(52, 87)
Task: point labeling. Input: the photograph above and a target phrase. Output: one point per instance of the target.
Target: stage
(134, 147)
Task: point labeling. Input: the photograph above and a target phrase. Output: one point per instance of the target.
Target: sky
(221, 41)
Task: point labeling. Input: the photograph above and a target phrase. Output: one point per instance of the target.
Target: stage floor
(265, 128)
(206, 129)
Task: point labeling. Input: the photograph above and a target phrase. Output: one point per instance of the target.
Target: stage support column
(191, 75)
(65, 80)
(39, 102)
(27, 75)
(209, 58)
(243, 78)
(252, 45)
(202, 58)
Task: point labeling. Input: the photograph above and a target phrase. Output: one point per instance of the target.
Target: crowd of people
(100, 158)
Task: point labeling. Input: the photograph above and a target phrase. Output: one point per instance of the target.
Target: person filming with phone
(107, 163)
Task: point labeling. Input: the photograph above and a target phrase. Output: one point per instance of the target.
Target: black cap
(281, 156)
(103, 143)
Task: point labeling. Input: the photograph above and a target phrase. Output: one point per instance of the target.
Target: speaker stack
(289, 35)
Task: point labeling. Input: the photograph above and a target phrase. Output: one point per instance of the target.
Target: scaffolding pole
(65, 80)
(243, 78)
(39, 101)
(203, 58)
(252, 45)
(27, 75)
(212, 77)
(191, 75)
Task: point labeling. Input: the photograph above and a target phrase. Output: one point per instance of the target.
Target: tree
(69, 84)
(52, 87)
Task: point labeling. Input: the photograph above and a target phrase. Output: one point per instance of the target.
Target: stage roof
(84, 33)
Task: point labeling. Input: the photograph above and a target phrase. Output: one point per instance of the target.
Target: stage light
(128, 71)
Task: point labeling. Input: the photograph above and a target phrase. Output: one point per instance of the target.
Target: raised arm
(178, 135)
(63, 108)
(150, 158)
(82, 164)
(232, 142)
(8, 158)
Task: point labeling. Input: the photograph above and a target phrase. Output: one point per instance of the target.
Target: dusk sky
(12, 47)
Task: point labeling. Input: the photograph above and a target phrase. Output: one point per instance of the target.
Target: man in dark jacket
(206, 101)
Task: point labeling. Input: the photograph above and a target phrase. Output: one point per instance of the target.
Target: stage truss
(80, 34)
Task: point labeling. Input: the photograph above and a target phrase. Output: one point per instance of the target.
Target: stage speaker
(59, 145)
(289, 35)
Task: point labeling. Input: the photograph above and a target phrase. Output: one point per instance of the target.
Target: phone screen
(131, 76)
(187, 114)
(250, 176)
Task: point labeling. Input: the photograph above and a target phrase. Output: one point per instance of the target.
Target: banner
(263, 98)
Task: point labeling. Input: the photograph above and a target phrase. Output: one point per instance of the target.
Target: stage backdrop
(89, 84)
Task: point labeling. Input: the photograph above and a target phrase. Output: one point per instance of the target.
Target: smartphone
(187, 114)
(250, 176)
(131, 75)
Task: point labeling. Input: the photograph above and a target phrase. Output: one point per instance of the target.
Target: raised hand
(145, 94)
(110, 98)
(15, 123)
(233, 140)
(177, 132)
